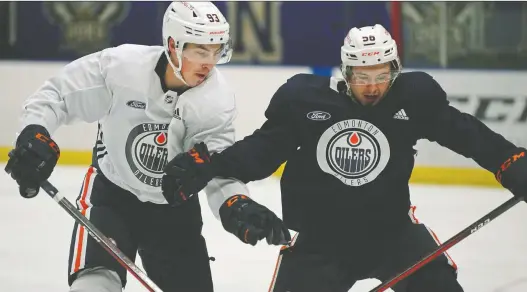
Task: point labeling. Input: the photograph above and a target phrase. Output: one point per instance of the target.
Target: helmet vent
(352, 56)
(194, 14)
(189, 30)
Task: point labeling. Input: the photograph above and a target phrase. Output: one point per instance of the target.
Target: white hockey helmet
(198, 23)
(368, 46)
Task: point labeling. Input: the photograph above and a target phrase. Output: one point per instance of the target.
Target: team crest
(85, 25)
(146, 152)
(354, 151)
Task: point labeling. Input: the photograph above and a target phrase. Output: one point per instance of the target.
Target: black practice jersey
(348, 165)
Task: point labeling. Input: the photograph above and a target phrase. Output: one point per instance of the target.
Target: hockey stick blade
(448, 244)
(98, 236)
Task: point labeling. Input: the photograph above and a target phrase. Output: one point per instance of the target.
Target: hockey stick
(108, 245)
(448, 244)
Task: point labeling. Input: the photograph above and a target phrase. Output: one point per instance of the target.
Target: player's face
(198, 60)
(369, 84)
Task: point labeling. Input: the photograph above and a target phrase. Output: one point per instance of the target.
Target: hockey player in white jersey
(151, 103)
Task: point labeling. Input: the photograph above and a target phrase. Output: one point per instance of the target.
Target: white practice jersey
(142, 125)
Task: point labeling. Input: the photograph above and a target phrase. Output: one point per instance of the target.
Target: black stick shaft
(108, 245)
(448, 244)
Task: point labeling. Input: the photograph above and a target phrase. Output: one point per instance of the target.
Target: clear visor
(371, 76)
(207, 55)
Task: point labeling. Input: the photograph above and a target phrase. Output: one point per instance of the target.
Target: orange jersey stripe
(416, 221)
(79, 246)
(84, 207)
(82, 201)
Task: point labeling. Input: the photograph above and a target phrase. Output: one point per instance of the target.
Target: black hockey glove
(251, 222)
(33, 159)
(186, 175)
(513, 173)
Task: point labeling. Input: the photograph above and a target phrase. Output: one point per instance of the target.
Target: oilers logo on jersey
(354, 151)
(146, 152)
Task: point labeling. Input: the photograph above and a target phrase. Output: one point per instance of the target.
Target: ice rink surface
(35, 237)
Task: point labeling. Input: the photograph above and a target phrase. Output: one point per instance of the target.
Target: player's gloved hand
(512, 174)
(251, 222)
(186, 175)
(33, 159)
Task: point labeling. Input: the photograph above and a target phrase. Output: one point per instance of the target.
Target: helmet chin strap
(177, 70)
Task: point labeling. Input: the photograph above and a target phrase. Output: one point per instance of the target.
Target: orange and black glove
(251, 222)
(512, 174)
(33, 159)
(186, 175)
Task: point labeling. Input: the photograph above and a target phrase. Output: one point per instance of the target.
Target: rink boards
(498, 98)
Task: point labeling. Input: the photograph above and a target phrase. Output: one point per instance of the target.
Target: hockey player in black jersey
(349, 147)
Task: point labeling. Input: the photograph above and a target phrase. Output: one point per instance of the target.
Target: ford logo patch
(318, 116)
(136, 104)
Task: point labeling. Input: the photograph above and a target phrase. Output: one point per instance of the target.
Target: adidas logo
(401, 115)
(176, 114)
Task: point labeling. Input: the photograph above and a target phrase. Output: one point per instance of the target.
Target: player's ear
(172, 45)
